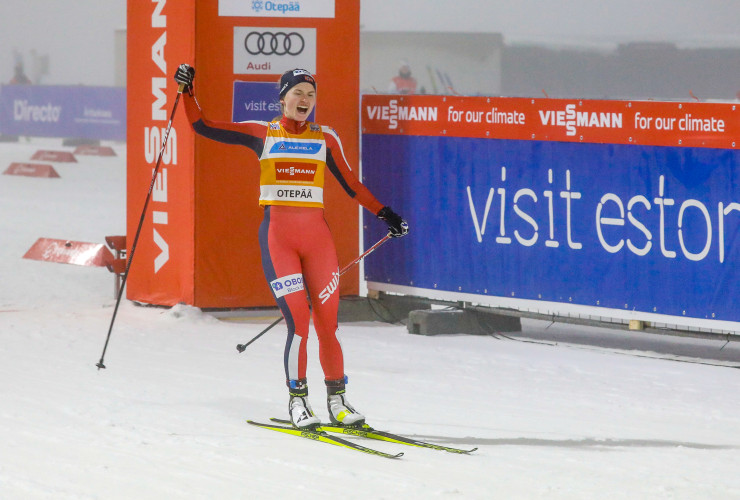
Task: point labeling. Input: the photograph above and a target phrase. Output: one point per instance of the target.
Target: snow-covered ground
(554, 419)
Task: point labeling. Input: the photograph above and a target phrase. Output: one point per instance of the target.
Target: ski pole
(242, 347)
(130, 259)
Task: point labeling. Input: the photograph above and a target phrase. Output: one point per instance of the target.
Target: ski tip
(459, 451)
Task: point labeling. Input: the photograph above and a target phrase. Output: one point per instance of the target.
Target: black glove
(397, 227)
(184, 77)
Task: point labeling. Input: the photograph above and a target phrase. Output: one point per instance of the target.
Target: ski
(368, 432)
(319, 434)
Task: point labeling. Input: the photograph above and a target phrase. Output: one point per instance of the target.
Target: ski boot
(301, 414)
(340, 411)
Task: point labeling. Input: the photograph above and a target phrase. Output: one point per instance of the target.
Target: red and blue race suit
(298, 253)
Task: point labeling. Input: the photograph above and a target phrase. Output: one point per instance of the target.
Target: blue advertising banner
(60, 111)
(654, 229)
(257, 101)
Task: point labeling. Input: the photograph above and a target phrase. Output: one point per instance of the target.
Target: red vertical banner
(160, 36)
(228, 269)
(199, 244)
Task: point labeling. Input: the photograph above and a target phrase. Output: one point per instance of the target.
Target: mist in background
(570, 22)
(74, 40)
(542, 44)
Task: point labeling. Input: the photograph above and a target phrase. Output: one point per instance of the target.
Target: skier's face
(299, 102)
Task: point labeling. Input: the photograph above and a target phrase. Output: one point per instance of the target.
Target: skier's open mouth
(302, 109)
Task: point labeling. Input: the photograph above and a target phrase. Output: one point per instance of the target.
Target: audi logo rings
(279, 43)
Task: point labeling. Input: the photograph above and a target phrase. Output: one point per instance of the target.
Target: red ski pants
(299, 258)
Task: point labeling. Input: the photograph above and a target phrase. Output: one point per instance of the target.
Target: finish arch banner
(199, 241)
(610, 217)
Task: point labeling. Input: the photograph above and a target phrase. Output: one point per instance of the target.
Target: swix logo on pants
(327, 292)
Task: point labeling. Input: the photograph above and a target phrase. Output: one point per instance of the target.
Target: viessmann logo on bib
(294, 172)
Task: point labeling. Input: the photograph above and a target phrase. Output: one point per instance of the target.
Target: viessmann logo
(393, 113)
(572, 119)
(294, 172)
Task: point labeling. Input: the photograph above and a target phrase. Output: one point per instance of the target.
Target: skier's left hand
(397, 227)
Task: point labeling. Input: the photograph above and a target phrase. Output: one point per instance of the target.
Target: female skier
(298, 253)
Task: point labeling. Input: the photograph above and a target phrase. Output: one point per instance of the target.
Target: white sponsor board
(271, 51)
(276, 8)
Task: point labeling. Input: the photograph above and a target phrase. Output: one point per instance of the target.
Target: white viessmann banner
(276, 8)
